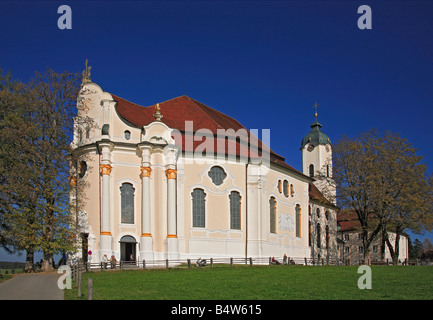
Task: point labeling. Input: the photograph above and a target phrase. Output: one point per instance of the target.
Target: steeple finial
(157, 115)
(315, 110)
(86, 74)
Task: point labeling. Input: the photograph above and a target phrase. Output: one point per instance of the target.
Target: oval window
(127, 135)
(217, 175)
(82, 168)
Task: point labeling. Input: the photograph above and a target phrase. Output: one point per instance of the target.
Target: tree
(383, 180)
(36, 130)
(53, 100)
(353, 173)
(17, 193)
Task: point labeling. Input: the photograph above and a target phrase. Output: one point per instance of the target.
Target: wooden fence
(208, 262)
(233, 261)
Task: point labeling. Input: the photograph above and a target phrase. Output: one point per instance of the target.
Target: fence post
(305, 260)
(79, 282)
(189, 263)
(90, 289)
(270, 260)
(166, 263)
(231, 262)
(144, 264)
(211, 262)
(251, 261)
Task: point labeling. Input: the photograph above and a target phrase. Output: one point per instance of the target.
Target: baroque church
(180, 180)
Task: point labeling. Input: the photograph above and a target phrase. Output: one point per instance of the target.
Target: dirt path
(42, 286)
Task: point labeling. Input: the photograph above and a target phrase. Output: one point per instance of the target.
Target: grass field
(259, 283)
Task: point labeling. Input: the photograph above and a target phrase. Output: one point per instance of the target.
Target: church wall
(216, 238)
(285, 240)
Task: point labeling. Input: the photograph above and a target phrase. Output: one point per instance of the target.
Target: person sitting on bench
(200, 263)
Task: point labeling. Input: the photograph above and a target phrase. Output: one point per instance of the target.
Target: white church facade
(181, 180)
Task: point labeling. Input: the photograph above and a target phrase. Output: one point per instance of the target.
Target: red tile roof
(178, 110)
(348, 220)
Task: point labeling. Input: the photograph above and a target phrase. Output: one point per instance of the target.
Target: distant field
(259, 283)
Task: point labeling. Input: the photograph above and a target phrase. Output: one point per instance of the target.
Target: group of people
(285, 260)
(113, 260)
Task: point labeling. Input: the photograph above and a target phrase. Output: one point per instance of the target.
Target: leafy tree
(36, 129)
(383, 180)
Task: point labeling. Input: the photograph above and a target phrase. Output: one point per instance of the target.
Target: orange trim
(105, 233)
(106, 169)
(145, 172)
(72, 181)
(146, 235)
(171, 173)
(172, 236)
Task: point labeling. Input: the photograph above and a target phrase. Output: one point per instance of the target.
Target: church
(180, 180)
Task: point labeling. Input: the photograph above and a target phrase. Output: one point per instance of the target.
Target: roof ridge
(116, 96)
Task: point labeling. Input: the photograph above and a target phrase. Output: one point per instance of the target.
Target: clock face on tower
(310, 147)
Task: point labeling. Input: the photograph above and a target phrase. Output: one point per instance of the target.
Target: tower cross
(315, 110)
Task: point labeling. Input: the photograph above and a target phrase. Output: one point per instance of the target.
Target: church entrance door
(128, 248)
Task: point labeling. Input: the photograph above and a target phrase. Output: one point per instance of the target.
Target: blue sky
(264, 63)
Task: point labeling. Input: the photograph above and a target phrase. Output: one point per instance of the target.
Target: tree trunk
(47, 263)
(29, 266)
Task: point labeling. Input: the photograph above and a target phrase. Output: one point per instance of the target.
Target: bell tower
(316, 151)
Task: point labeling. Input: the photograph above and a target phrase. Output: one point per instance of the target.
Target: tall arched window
(273, 215)
(319, 242)
(327, 237)
(298, 220)
(198, 208)
(235, 210)
(127, 203)
(286, 188)
(311, 170)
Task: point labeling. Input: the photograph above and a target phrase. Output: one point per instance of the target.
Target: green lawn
(259, 283)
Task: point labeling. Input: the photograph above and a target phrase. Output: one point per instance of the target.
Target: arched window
(286, 188)
(298, 220)
(279, 186)
(127, 134)
(273, 215)
(127, 203)
(198, 208)
(292, 190)
(311, 170)
(235, 210)
(318, 235)
(318, 212)
(327, 237)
